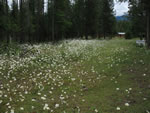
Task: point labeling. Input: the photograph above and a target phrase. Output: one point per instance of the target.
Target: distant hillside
(121, 18)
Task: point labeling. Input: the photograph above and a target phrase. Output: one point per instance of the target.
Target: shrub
(128, 35)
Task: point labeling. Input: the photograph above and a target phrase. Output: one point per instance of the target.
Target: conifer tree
(107, 20)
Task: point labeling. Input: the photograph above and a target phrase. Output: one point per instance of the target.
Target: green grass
(79, 76)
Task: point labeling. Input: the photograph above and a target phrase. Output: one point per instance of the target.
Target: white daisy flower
(126, 104)
(56, 105)
(118, 108)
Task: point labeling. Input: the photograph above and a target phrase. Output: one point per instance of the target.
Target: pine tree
(91, 18)
(62, 20)
(4, 20)
(79, 18)
(107, 19)
(39, 20)
(28, 22)
(14, 19)
(2, 14)
(137, 16)
(146, 11)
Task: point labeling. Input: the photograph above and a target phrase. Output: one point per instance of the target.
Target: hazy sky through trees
(119, 8)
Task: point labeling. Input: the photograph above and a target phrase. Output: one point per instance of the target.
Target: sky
(119, 8)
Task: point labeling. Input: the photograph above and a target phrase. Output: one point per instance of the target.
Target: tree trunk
(53, 21)
(86, 32)
(148, 29)
(7, 37)
(104, 35)
(7, 32)
(86, 37)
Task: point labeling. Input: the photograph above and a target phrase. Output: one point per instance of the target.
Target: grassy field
(76, 76)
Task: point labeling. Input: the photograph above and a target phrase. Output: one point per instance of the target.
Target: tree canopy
(54, 20)
(139, 15)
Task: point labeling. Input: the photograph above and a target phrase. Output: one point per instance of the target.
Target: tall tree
(2, 16)
(4, 20)
(27, 21)
(51, 19)
(24, 22)
(14, 19)
(62, 18)
(91, 18)
(79, 18)
(107, 19)
(40, 19)
(136, 16)
(146, 11)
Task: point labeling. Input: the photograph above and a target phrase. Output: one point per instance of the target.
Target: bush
(128, 35)
(9, 49)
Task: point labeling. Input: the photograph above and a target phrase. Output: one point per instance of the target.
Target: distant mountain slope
(121, 18)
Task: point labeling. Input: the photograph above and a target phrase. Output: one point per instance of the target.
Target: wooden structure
(121, 34)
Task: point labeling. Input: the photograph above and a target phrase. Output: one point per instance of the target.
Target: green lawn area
(76, 76)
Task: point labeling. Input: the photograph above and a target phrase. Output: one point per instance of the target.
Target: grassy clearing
(76, 76)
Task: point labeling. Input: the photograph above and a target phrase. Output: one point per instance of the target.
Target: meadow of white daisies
(76, 76)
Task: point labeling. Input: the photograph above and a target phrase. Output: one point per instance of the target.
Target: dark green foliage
(91, 17)
(78, 18)
(4, 20)
(137, 17)
(128, 35)
(62, 18)
(123, 25)
(140, 18)
(54, 20)
(107, 19)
